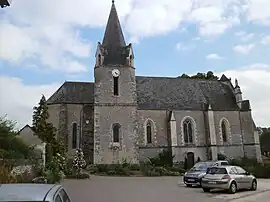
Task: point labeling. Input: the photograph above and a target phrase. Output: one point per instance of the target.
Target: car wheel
(254, 185)
(188, 185)
(206, 189)
(233, 188)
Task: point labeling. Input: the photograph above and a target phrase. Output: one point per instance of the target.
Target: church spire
(113, 37)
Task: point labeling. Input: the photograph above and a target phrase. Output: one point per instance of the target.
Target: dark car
(195, 174)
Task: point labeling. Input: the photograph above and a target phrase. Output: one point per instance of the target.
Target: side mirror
(247, 173)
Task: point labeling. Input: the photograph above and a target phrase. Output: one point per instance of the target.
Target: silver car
(33, 193)
(231, 178)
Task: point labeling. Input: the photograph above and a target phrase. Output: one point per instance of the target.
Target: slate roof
(73, 93)
(183, 93)
(114, 46)
(159, 93)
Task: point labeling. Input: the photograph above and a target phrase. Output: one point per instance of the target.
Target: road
(152, 189)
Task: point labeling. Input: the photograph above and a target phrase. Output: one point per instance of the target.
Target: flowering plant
(61, 161)
(79, 162)
(23, 173)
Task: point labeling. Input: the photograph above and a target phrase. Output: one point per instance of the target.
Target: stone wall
(113, 109)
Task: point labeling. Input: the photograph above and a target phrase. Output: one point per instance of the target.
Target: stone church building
(123, 116)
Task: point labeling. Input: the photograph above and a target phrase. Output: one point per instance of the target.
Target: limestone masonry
(123, 116)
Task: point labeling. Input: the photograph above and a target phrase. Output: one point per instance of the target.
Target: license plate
(210, 182)
(191, 180)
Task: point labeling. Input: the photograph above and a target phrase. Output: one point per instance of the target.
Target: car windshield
(201, 166)
(215, 170)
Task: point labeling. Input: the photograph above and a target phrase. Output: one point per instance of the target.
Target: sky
(44, 43)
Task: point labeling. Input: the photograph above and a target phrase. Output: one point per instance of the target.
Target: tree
(45, 130)
(265, 140)
(208, 76)
(11, 146)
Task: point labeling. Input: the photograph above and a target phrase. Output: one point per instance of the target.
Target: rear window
(215, 170)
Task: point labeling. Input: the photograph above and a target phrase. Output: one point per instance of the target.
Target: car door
(246, 179)
(234, 175)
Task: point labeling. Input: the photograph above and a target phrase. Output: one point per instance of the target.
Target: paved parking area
(144, 189)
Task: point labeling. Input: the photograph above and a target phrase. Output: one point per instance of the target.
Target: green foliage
(208, 76)
(221, 157)
(265, 140)
(11, 146)
(45, 130)
(161, 165)
(252, 166)
(5, 176)
(78, 176)
(162, 159)
(53, 171)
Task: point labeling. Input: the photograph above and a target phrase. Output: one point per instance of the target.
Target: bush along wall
(161, 165)
(252, 166)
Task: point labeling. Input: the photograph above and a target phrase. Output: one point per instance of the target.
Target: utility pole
(4, 3)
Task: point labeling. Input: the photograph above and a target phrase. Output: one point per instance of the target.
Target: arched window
(148, 132)
(74, 135)
(115, 86)
(224, 131)
(99, 59)
(188, 131)
(116, 133)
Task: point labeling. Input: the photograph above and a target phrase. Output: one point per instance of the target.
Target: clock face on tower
(115, 73)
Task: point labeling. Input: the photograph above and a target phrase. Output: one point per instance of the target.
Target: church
(121, 116)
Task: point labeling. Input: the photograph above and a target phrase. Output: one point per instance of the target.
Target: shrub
(53, 172)
(163, 158)
(40, 180)
(5, 176)
(221, 157)
(78, 176)
(23, 174)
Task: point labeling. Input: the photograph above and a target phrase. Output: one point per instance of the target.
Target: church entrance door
(190, 159)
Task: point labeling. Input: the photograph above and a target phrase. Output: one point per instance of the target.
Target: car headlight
(201, 175)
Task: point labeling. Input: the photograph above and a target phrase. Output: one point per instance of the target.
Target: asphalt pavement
(152, 189)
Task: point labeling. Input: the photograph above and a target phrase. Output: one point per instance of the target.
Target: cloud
(258, 11)
(39, 32)
(254, 81)
(185, 47)
(243, 49)
(245, 36)
(266, 40)
(13, 90)
(213, 56)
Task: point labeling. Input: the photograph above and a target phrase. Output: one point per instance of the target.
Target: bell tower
(115, 96)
